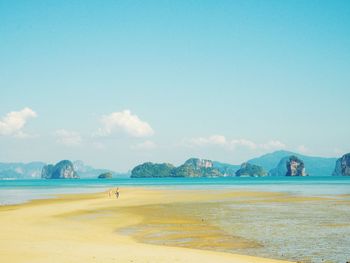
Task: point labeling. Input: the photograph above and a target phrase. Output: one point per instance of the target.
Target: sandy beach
(91, 228)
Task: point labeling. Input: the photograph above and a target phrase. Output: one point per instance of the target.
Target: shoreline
(21, 191)
(87, 228)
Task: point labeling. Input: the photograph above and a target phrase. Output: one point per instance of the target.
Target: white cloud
(126, 122)
(273, 145)
(303, 149)
(13, 123)
(211, 140)
(243, 143)
(68, 138)
(222, 141)
(146, 145)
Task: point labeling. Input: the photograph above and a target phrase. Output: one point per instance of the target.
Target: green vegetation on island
(193, 167)
(149, 169)
(197, 168)
(251, 170)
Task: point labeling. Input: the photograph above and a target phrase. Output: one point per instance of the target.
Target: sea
(312, 231)
(20, 191)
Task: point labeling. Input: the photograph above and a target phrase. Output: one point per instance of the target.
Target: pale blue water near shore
(19, 191)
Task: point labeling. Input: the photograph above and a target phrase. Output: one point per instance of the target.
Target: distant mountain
(270, 160)
(21, 170)
(315, 166)
(86, 171)
(33, 170)
(226, 169)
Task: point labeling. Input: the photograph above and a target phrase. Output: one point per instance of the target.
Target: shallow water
(19, 191)
(311, 231)
(294, 229)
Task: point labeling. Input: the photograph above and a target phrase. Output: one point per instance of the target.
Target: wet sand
(264, 224)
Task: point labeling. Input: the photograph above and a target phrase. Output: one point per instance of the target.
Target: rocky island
(149, 169)
(342, 166)
(62, 170)
(251, 170)
(295, 167)
(289, 166)
(107, 175)
(193, 167)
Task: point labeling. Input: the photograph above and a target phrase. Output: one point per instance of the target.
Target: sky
(118, 83)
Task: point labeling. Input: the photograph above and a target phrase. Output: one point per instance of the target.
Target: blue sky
(116, 83)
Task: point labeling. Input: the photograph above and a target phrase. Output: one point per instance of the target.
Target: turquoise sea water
(19, 191)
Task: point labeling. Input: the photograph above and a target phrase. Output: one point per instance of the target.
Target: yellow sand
(85, 228)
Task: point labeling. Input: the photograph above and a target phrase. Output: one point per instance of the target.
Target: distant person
(110, 192)
(117, 193)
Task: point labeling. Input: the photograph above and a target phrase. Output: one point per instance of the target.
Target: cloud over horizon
(126, 122)
(68, 138)
(231, 144)
(14, 121)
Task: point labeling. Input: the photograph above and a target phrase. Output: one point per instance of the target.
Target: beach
(143, 225)
(84, 228)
